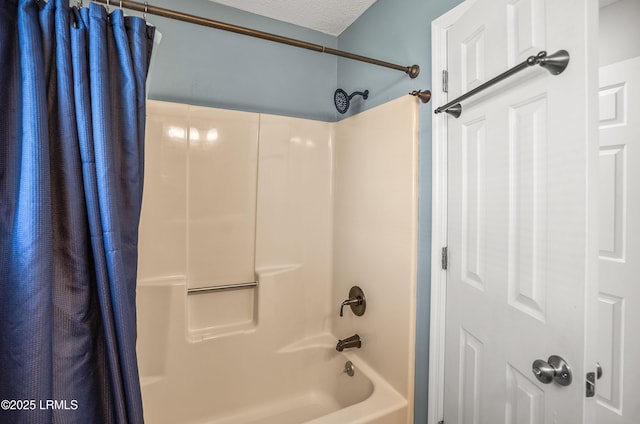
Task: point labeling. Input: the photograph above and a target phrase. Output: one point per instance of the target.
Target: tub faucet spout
(349, 342)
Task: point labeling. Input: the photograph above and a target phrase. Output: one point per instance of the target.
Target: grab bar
(555, 64)
(199, 290)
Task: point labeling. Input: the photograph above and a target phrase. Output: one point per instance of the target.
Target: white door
(619, 270)
(522, 161)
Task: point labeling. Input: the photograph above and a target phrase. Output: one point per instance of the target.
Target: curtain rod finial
(413, 71)
(425, 95)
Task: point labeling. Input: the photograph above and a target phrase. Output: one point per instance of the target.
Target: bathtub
(320, 393)
(244, 375)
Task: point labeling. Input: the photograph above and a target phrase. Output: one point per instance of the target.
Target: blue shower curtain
(72, 114)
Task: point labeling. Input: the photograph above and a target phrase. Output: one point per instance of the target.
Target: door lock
(554, 369)
(591, 380)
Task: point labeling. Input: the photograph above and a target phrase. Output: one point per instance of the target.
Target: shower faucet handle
(350, 302)
(356, 301)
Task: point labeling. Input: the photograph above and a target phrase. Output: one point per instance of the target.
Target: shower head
(341, 99)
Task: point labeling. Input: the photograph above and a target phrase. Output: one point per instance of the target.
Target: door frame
(437, 332)
(439, 29)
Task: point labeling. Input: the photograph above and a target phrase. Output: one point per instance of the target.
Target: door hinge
(445, 81)
(445, 258)
(441, 422)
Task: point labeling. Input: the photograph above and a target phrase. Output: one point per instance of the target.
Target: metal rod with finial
(424, 96)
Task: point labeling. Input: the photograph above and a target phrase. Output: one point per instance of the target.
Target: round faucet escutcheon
(356, 301)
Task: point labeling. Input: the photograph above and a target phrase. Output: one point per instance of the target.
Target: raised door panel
(473, 182)
(525, 403)
(472, 58)
(528, 207)
(611, 351)
(526, 29)
(470, 372)
(612, 202)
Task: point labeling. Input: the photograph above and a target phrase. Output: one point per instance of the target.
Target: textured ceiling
(328, 16)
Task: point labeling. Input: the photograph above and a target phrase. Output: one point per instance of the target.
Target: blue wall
(399, 31)
(208, 67)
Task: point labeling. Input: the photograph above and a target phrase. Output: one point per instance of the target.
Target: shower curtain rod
(412, 70)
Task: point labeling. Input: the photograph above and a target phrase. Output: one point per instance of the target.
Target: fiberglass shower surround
(267, 352)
